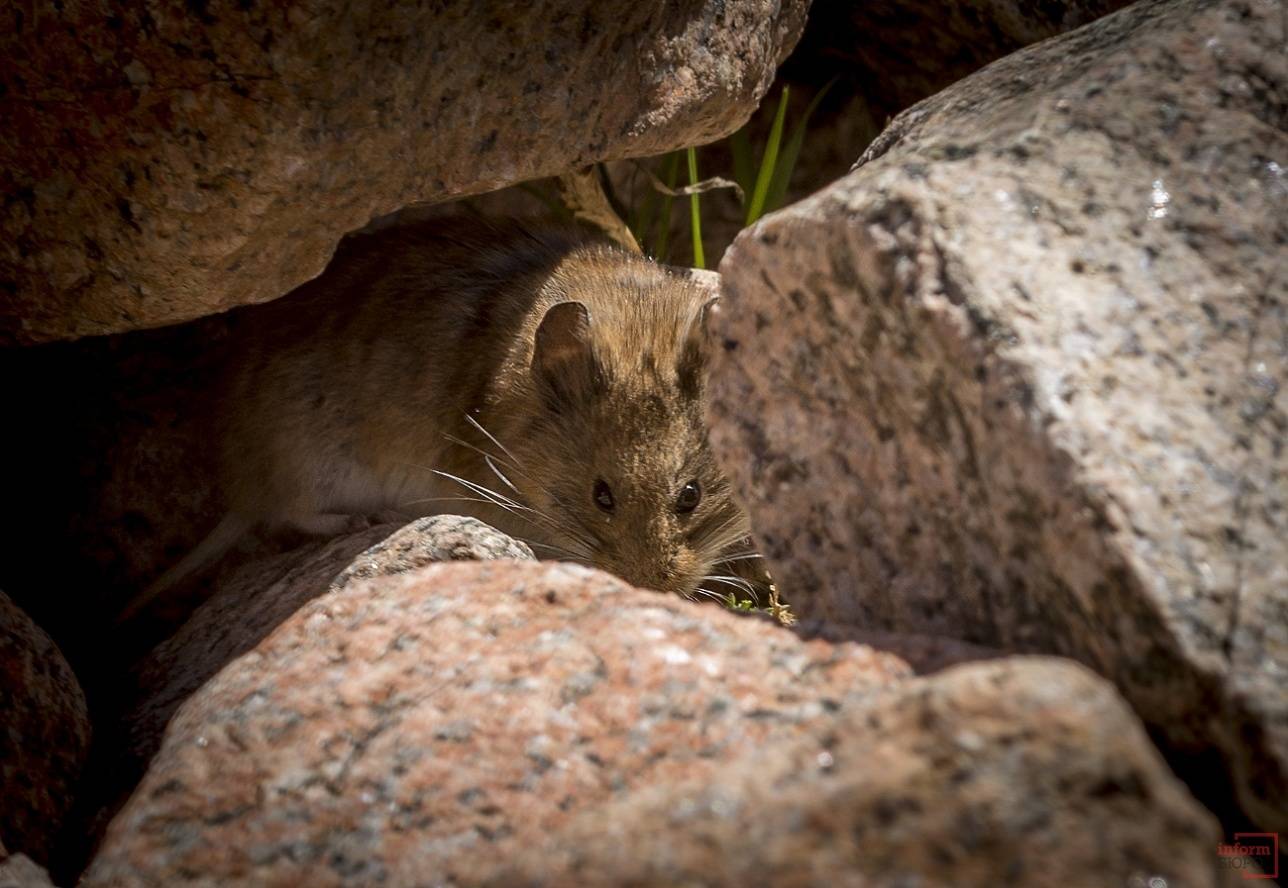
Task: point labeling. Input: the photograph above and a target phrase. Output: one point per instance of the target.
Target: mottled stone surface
(170, 160)
(1018, 772)
(403, 728)
(44, 734)
(252, 599)
(20, 871)
(428, 540)
(1020, 377)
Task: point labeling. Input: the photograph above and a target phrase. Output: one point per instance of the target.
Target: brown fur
(352, 391)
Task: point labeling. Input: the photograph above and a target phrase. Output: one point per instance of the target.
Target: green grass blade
(695, 213)
(783, 173)
(767, 163)
(663, 241)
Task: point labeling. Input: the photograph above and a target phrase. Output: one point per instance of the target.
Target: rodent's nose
(653, 561)
(658, 576)
(670, 576)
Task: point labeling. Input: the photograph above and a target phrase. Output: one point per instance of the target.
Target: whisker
(585, 556)
(514, 464)
(746, 556)
(715, 544)
(474, 422)
(736, 582)
(553, 548)
(579, 548)
(498, 498)
(713, 596)
(415, 466)
(470, 499)
(491, 497)
(495, 471)
(725, 535)
(461, 442)
(446, 499)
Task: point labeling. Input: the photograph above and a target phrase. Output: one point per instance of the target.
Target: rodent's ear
(695, 350)
(563, 357)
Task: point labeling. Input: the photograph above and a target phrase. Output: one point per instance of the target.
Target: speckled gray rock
(44, 734)
(164, 161)
(427, 540)
(402, 728)
(1018, 772)
(1020, 377)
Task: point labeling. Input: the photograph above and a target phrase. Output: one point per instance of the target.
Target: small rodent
(542, 381)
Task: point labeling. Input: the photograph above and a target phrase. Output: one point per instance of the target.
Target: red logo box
(1247, 849)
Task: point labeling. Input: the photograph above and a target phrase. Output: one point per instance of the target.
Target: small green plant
(695, 215)
(776, 607)
(761, 186)
(768, 161)
(787, 162)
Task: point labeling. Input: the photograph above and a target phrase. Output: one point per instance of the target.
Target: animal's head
(618, 467)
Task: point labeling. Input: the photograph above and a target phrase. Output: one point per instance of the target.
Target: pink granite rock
(250, 600)
(1022, 376)
(402, 728)
(1024, 771)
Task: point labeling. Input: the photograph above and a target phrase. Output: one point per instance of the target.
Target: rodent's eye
(603, 496)
(690, 496)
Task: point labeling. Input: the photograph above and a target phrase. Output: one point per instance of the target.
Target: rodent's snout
(677, 573)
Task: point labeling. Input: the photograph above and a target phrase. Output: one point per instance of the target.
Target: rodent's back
(404, 330)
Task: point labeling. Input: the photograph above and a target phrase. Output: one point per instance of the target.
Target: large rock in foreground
(44, 735)
(402, 729)
(1018, 772)
(168, 161)
(543, 723)
(1020, 377)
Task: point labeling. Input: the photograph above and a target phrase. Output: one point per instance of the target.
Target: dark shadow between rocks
(926, 654)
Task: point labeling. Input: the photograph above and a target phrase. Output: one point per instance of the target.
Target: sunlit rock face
(168, 161)
(1020, 377)
(424, 727)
